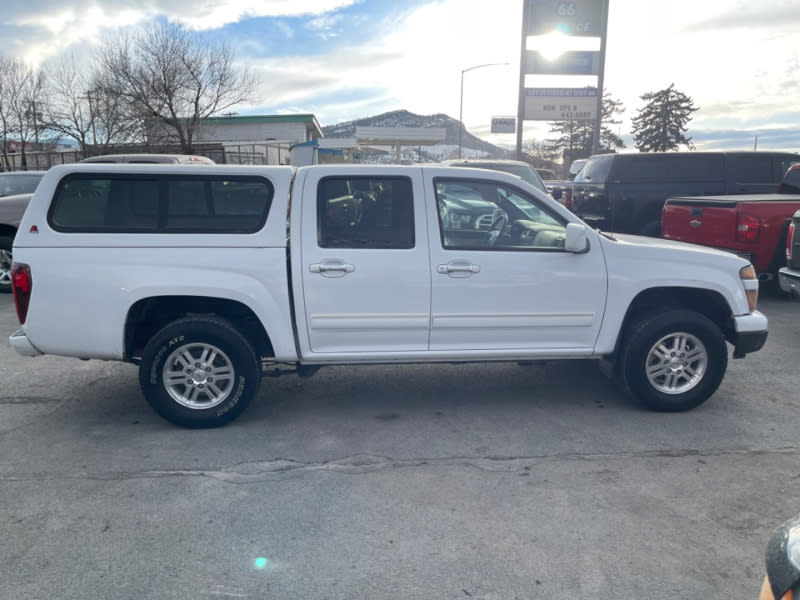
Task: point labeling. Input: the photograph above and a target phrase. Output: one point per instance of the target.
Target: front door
(501, 280)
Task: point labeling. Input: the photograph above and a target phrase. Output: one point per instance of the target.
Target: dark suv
(625, 193)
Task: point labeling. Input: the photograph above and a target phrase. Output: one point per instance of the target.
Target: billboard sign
(560, 104)
(569, 63)
(578, 17)
(504, 125)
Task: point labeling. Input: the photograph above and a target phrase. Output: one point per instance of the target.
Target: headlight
(750, 282)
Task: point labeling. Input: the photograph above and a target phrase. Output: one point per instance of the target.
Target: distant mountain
(471, 146)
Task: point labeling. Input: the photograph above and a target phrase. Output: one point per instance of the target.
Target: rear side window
(106, 203)
(365, 212)
(670, 167)
(753, 169)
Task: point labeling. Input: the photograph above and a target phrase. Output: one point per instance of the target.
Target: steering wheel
(499, 222)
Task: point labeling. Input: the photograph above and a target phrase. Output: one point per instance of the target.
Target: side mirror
(556, 193)
(783, 559)
(576, 239)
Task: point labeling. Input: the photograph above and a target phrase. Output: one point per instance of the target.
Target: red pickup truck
(753, 225)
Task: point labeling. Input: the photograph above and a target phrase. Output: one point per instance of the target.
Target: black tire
(681, 373)
(212, 368)
(6, 258)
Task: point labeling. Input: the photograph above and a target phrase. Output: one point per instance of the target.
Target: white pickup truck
(205, 276)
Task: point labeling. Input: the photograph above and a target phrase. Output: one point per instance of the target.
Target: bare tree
(22, 102)
(174, 80)
(7, 65)
(84, 108)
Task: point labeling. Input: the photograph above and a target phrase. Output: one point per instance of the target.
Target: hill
(471, 146)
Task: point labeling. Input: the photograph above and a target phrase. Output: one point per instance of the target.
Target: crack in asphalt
(278, 469)
(29, 400)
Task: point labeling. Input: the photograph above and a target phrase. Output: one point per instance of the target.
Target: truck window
(127, 203)
(365, 212)
(481, 215)
(595, 170)
(753, 169)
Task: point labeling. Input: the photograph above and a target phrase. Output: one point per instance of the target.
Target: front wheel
(199, 372)
(674, 360)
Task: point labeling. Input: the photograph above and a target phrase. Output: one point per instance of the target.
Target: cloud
(54, 25)
(777, 16)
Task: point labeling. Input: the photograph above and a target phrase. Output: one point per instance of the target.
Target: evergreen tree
(661, 124)
(574, 138)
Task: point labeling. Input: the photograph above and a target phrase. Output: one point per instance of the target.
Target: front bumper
(751, 333)
(789, 280)
(20, 342)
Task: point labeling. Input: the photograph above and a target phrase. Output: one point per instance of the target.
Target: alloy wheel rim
(676, 363)
(198, 376)
(5, 267)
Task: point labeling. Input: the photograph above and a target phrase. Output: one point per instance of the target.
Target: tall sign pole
(521, 101)
(599, 119)
(557, 24)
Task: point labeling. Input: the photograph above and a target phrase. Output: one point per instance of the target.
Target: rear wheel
(199, 372)
(6, 258)
(674, 360)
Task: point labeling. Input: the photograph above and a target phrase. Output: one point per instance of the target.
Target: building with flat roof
(256, 139)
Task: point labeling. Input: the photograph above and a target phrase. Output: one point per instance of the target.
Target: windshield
(13, 183)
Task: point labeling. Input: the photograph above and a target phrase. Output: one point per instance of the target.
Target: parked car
(516, 167)
(625, 193)
(789, 276)
(16, 189)
(546, 174)
(561, 189)
(175, 159)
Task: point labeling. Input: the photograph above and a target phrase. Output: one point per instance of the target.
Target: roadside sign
(504, 124)
(569, 63)
(560, 104)
(578, 17)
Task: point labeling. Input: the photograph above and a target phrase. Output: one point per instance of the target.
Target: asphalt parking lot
(493, 481)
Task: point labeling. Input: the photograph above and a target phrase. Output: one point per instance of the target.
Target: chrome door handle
(332, 267)
(458, 268)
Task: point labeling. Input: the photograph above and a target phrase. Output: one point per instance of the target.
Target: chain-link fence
(238, 154)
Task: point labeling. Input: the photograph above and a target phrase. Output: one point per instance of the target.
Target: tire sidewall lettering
(234, 400)
(156, 365)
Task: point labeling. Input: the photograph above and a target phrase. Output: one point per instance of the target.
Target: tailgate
(710, 223)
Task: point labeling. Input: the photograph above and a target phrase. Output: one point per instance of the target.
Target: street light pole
(461, 103)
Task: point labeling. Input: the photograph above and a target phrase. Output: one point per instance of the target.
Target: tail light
(21, 284)
(789, 238)
(748, 228)
(568, 199)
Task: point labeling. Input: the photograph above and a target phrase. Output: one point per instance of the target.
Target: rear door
(363, 263)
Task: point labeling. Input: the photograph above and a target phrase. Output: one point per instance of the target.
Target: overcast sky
(345, 59)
